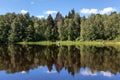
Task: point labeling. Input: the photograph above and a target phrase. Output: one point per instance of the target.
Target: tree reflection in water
(17, 58)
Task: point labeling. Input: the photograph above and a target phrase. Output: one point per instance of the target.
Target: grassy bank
(38, 43)
(72, 43)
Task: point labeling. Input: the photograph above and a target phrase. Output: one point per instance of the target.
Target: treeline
(23, 27)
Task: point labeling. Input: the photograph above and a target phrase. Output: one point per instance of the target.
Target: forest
(72, 27)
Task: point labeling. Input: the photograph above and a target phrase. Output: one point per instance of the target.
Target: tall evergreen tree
(51, 29)
(17, 29)
(111, 26)
(30, 33)
(77, 28)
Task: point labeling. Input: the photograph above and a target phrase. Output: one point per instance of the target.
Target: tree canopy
(23, 27)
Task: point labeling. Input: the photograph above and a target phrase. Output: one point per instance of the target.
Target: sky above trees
(41, 8)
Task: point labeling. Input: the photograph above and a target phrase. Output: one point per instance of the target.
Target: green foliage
(51, 32)
(30, 33)
(19, 27)
(39, 26)
(100, 27)
(111, 26)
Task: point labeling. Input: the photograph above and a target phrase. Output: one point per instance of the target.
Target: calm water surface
(23, 62)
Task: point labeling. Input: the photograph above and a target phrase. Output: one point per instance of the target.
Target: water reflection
(97, 60)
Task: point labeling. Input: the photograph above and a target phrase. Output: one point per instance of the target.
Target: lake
(35, 62)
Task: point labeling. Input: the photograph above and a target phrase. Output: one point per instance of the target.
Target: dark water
(22, 62)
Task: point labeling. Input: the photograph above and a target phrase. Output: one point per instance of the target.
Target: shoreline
(102, 43)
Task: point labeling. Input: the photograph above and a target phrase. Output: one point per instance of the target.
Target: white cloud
(24, 11)
(23, 72)
(40, 16)
(108, 74)
(95, 11)
(107, 10)
(88, 72)
(50, 12)
(89, 11)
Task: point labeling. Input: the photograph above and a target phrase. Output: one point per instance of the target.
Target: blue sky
(42, 8)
